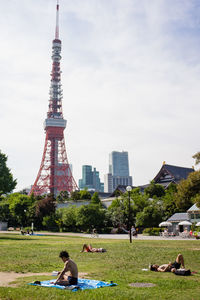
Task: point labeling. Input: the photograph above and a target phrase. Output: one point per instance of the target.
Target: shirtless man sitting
(69, 266)
(170, 267)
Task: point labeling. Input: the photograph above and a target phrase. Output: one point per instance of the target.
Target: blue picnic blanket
(38, 234)
(83, 284)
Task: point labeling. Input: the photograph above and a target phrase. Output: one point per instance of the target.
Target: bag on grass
(182, 272)
(102, 250)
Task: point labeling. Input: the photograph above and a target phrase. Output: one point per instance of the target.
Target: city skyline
(131, 72)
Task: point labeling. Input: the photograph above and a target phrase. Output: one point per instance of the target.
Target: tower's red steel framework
(55, 173)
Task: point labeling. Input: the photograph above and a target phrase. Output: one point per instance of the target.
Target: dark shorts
(176, 265)
(72, 280)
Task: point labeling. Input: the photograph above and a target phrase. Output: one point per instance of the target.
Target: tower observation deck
(54, 174)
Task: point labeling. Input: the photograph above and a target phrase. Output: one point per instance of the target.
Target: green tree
(196, 200)
(62, 197)
(45, 207)
(139, 199)
(50, 222)
(169, 204)
(115, 203)
(19, 206)
(75, 195)
(117, 193)
(5, 215)
(68, 218)
(116, 213)
(151, 215)
(187, 190)
(7, 183)
(197, 158)
(155, 189)
(95, 199)
(90, 216)
(84, 195)
(119, 209)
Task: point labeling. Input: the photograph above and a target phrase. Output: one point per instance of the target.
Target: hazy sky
(130, 76)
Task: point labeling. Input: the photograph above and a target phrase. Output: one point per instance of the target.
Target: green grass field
(122, 263)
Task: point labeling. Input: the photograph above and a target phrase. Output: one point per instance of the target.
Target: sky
(130, 79)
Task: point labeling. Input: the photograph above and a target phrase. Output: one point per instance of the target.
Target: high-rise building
(118, 163)
(108, 183)
(90, 179)
(118, 171)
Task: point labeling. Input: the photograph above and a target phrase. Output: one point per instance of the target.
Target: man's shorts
(176, 265)
(72, 280)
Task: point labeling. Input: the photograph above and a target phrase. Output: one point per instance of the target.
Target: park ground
(24, 259)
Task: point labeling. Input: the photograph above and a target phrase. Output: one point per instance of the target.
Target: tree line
(147, 209)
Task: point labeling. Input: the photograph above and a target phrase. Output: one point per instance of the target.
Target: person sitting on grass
(170, 267)
(69, 266)
(89, 248)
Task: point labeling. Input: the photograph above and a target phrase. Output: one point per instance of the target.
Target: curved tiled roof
(177, 173)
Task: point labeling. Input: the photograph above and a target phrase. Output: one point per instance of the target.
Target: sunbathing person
(89, 248)
(69, 266)
(170, 267)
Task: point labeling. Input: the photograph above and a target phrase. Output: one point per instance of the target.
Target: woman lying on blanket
(171, 267)
(89, 248)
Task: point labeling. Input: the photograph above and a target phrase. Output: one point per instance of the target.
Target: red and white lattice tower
(54, 174)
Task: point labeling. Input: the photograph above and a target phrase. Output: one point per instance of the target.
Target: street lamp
(129, 189)
(24, 218)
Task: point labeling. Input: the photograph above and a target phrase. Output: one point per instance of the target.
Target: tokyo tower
(55, 173)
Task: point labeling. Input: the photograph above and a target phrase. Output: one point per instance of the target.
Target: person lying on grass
(170, 267)
(89, 248)
(69, 266)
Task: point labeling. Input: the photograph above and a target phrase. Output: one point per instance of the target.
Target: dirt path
(7, 277)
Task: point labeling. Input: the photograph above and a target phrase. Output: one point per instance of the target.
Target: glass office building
(118, 171)
(118, 163)
(90, 179)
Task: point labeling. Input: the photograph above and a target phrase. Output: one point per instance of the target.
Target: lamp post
(24, 217)
(129, 188)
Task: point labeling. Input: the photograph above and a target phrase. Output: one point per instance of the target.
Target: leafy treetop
(197, 158)
(155, 189)
(7, 183)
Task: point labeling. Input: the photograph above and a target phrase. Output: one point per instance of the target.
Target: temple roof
(170, 173)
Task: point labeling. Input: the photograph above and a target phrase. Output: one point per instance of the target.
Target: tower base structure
(55, 174)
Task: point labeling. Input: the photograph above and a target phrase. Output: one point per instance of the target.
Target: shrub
(152, 231)
(49, 223)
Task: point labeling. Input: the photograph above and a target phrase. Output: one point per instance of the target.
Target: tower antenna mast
(57, 21)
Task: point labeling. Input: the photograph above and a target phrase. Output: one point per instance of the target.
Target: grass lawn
(122, 263)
